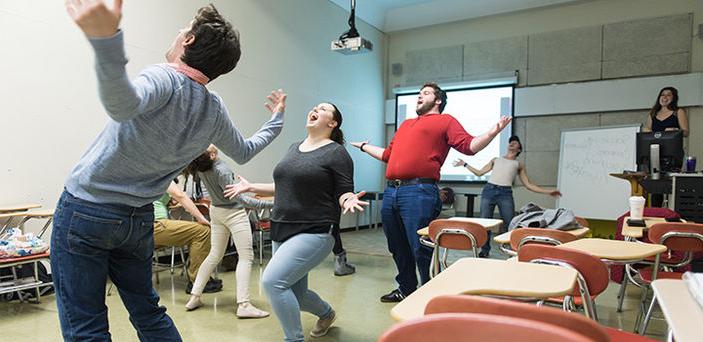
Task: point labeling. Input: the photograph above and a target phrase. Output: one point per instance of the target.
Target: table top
(615, 250)
(682, 312)
(13, 214)
(18, 207)
(629, 175)
(490, 224)
(636, 232)
(39, 213)
(489, 277)
(579, 233)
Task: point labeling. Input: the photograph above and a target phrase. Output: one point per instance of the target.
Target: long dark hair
(337, 134)
(674, 105)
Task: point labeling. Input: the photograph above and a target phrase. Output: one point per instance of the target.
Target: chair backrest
(473, 327)
(506, 308)
(454, 234)
(593, 270)
(522, 236)
(678, 236)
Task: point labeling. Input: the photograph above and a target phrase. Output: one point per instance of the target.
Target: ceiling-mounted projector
(350, 42)
(352, 46)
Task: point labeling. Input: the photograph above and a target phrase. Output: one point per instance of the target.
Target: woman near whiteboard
(499, 189)
(666, 115)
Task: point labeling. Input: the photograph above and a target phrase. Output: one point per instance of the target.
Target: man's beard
(424, 108)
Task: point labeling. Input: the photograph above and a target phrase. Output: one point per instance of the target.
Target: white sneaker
(323, 325)
(193, 303)
(246, 310)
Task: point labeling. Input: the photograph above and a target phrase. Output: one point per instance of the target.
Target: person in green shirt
(196, 235)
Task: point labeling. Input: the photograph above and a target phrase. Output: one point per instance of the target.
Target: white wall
(51, 113)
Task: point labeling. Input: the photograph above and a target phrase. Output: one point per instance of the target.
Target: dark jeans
(406, 209)
(495, 195)
(90, 242)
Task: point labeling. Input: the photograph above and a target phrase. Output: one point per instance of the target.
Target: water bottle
(691, 164)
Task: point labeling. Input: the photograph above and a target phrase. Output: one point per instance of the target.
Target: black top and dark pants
(657, 200)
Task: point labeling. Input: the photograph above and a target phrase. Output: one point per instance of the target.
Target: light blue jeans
(285, 280)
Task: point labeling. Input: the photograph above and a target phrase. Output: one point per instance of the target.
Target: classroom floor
(361, 317)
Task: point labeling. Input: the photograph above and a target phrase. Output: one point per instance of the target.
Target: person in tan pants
(196, 235)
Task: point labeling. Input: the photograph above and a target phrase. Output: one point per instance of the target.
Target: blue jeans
(501, 196)
(90, 242)
(406, 209)
(285, 280)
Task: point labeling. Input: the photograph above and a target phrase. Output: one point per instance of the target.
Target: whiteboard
(586, 158)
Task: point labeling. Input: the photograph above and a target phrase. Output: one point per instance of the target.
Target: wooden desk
(635, 179)
(505, 237)
(682, 313)
(489, 224)
(637, 232)
(489, 277)
(616, 251)
(6, 219)
(18, 207)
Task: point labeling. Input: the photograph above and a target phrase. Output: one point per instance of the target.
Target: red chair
(260, 226)
(451, 234)
(592, 274)
(527, 235)
(685, 238)
(523, 236)
(497, 307)
(626, 274)
(472, 327)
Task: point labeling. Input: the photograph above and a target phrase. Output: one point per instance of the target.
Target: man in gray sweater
(159, 122)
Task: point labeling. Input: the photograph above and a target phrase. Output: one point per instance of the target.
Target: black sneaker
(483, 254)
(393, 297)
(212, 286)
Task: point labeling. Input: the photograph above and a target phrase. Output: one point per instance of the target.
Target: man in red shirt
(411, 200)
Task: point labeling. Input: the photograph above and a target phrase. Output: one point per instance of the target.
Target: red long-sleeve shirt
(421, 145)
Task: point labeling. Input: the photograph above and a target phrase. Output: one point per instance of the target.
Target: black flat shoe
(393, 297)
(212, 286)
(483, 254)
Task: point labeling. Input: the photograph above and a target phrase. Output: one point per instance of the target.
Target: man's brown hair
(216, 49)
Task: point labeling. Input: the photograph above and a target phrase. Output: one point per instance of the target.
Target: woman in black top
(313, 185)
(666, 115)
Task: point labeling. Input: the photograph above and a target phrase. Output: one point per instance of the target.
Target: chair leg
(173, 258)
(155, 269)
(36, 279)
(648, 316)
(261, 247)
(621, 294)
(184, 261)
(641, 313)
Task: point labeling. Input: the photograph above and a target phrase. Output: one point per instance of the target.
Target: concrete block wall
(496, 56)
(642, 47)
(439, 64)
(565, 56)
(648, 46)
